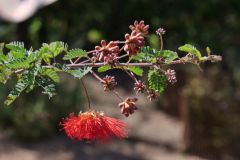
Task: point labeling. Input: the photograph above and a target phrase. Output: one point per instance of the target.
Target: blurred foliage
(214, 108)
(34, 115)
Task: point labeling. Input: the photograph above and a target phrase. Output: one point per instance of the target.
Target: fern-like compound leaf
(74, 53)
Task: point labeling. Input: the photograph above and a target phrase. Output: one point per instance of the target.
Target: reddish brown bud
(107, 53)
(109, 83)
(160, 31)
(140, 28)
(139, 86)
(133, 43)
(152, 94)
(171, 76)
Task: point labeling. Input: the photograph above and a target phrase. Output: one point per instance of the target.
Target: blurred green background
(208, 102)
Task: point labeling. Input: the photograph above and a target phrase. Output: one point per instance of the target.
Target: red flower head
(134, 43)
(140, 28)
(107, 53)
(93, 125)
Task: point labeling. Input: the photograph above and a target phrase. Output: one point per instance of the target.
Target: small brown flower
(152, 94)
(171, 76)
(107, 50)
(128, 106)
(109, 83)
(133, 43)
(139, 86)
(140, 28)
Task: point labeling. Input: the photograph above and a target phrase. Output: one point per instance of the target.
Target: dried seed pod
(128, 106)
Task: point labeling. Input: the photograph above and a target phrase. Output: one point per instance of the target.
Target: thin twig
(161, 42)
(118, 96)
(131, 75)
(96, 76)
(87, 95)
(113, 91)
(77, 60)
(213, 58)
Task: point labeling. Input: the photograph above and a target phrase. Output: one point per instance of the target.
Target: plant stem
(117, 94)
(161, 42)
(86, 93)
(131, 75)
(113, 91)
(96, 76)
(81, 57)
(213, 58)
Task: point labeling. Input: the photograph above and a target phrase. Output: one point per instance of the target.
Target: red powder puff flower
(93, 125)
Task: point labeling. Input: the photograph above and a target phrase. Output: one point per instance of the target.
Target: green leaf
(208, 51)
(21, 85)
(46, 52)
(21, 63)
(157, 81)
(51, 73)
(149, 54)
(18, 64)
(79, 73)
(5, 74)
(148, 50)
(16, 46)
(168, 55)
(17, 50)
(190, 49)
(3, 58)
(57, 47)
(1, 47)
(137, 70)
(146, 54)
(75, 53)
(48, 88)
(32, 74)
(104, 68)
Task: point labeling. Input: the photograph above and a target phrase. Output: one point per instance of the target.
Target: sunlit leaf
(190, 49)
